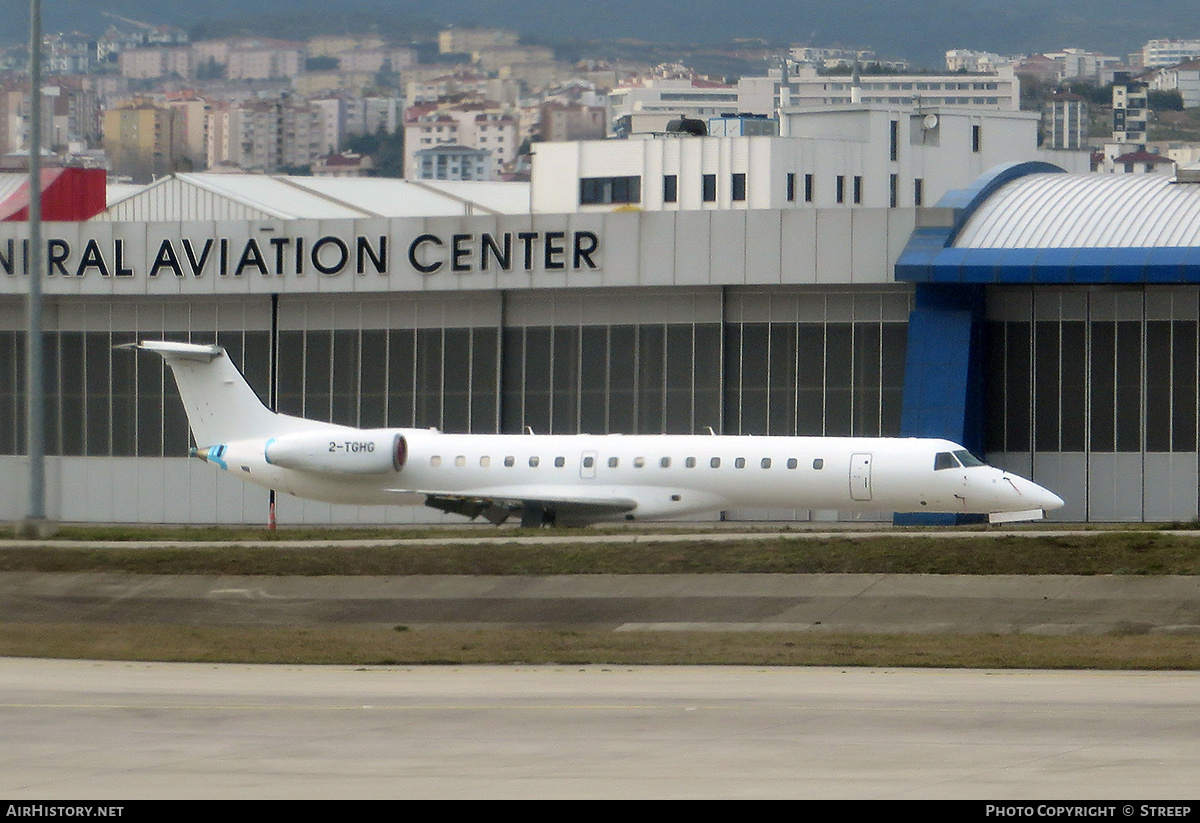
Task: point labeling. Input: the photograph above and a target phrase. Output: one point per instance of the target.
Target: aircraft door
(587, 465)
(860, 476)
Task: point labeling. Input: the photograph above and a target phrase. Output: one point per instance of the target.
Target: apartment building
(1158, 54)
(157, 61)
(143, 140)
(266, 135)
(1065, 122)
(1183, 78)
(491, 130)
(763, 95)
(452, 163)
(473, 39)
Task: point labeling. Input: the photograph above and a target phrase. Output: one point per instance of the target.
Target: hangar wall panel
(1094, 391)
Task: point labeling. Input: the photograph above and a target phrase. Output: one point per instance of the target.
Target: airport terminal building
(1046, 319)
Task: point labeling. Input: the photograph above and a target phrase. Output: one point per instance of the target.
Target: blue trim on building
(944, 369)
(1159, 264)
(944, 365)
(943, 374)
(931, 257)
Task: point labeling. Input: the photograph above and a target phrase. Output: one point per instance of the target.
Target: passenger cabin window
(740, 463)
(436, 460)
(559, 462)
(766, 463)
(485, 461)
(715, 462)
(461, 460)
(665, 462)
(588, 462)
(533, 461)
(638, 462)
(690, 462)
(510, 461)
(613, 461)
(792, 463)
(819, 464)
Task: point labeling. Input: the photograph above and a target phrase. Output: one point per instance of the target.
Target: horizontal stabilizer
(171, 350)
(220, 405)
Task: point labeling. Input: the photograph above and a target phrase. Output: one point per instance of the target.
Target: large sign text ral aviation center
(330, 255)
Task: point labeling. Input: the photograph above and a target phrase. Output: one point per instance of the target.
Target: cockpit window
(967, 459)
(955, 459)
(944, 460)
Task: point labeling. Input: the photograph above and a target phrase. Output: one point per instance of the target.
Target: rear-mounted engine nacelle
(358, 452)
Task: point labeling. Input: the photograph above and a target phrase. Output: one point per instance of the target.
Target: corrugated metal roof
(1058, 211)
(275, 197)
(11, 183)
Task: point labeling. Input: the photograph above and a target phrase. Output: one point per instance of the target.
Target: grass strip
(1135, 552)
(383, 646)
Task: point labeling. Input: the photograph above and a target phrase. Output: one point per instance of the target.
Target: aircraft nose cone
(1050, 500)
(1039, 496)
(1030, 494)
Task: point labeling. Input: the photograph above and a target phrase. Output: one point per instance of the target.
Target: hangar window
(603, 190)
(738, 186)
(708, 187)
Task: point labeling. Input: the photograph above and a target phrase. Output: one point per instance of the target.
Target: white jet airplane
(578, 478)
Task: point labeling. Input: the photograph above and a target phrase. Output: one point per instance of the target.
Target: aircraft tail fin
(220, 404)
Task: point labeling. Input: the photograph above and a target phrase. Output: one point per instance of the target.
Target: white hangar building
(482, 307)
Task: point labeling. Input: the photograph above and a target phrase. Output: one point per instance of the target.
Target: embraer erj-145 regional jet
(578, 478)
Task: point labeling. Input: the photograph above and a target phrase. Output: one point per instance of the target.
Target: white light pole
(36, 524)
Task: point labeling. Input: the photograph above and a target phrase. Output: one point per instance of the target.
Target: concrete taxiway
(998, 604)
(124, 731)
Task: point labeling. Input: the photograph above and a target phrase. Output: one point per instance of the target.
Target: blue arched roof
(1032, 223)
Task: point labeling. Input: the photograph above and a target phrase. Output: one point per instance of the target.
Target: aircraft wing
(534, 504)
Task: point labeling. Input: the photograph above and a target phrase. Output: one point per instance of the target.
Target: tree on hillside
(385, 150)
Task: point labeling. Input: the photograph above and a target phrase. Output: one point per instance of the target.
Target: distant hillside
(919, 30)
